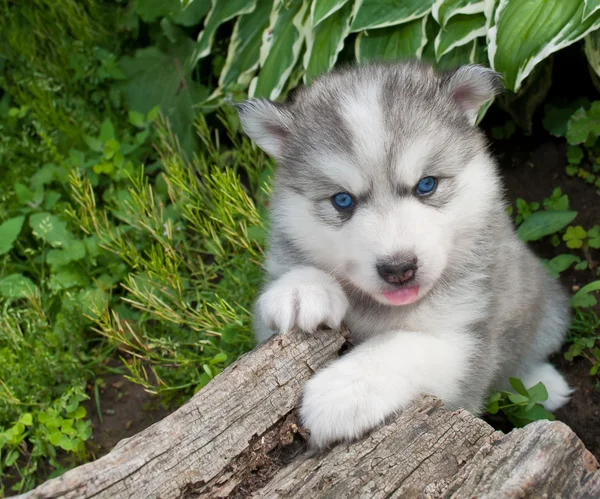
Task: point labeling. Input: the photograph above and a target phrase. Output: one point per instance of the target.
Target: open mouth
(402, 296)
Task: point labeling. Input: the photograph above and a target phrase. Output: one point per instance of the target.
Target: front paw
(341, 404)
(306, 298)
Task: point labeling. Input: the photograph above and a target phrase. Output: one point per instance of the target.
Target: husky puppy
(388, 214)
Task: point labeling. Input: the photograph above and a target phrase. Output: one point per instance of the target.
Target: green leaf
(538, 393)
(193, 13)
(67, 278)
(152, 10)
(11, 458)
(443, 10)
(517, 398)
(544, 223)
(527, 32)
(561, 263)
(26, 419)
(391, 44)
(107, 131)
(280, 49)
(325, 42)
(16, 286)
(93, 143)
(322, 9)
(66, 443)
(61, 257)
(243, 52)
(156, 78)
(459, 31)
(591, 6)
(9, 231)
(556, 117)
(55, 437)
(519, 387)
(574, 154)
(382, 13)
(51, 229)
(583, 124)
(137, 119)
(583, 297)
(80, 412)
(219, 13)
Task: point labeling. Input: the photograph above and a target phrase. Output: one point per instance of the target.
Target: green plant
(522, 406)
(583, 339)
(38, 437)
(505, 131)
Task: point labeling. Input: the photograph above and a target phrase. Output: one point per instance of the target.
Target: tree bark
(240, 437)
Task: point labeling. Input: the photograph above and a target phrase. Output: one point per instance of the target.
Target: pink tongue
(402, 296)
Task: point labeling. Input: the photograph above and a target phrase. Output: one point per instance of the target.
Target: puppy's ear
(471, 86)
(266, 123)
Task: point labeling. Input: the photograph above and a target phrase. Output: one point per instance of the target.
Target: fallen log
(240, 437)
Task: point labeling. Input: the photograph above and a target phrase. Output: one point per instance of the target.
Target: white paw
(559, 392)
(305, 297)
(342, 403)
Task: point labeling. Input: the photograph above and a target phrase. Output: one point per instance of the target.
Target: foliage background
(132, 211)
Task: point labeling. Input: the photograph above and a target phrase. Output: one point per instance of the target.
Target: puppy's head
(383, 178)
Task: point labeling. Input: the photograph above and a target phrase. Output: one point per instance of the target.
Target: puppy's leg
(559, 391)
(304, 297)
(384, 374)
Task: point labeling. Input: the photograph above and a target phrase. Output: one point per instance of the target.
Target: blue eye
(426, 186)
(342, 201)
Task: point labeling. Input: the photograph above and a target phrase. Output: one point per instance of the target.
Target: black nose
(397, 271)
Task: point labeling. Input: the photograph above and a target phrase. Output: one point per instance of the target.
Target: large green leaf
(526, 32)
(165, 79)
(382, 13)
(458, 31)
(244, 46)
(16, 286)
(9, 231)
(405, 41)
(591, 7)
(51, 229)
(443, 10)
(592, 50)
(280, 48)
(324, 43)
(220, 12)
(322, 9)
(544, 223)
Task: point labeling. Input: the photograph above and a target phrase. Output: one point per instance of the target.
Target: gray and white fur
(473, 305)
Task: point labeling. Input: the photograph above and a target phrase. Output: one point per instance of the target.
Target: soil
(126, 410)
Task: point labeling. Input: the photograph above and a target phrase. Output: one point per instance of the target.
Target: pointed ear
(471, 86)
(266, 123)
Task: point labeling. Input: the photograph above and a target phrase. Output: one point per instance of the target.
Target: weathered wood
(202, 438)
(240, 437)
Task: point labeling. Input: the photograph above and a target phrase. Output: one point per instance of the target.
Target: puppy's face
(383, 178)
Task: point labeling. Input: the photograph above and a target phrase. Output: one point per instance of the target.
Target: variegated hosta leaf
(220, 12)
(550, 25)
(280, 49)
(324, 43)
(592, 50)
(244, 46)
(382, 13)
(322, 9)
(591, 6)
(394, 43)
(459, 30)
(443, 10)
